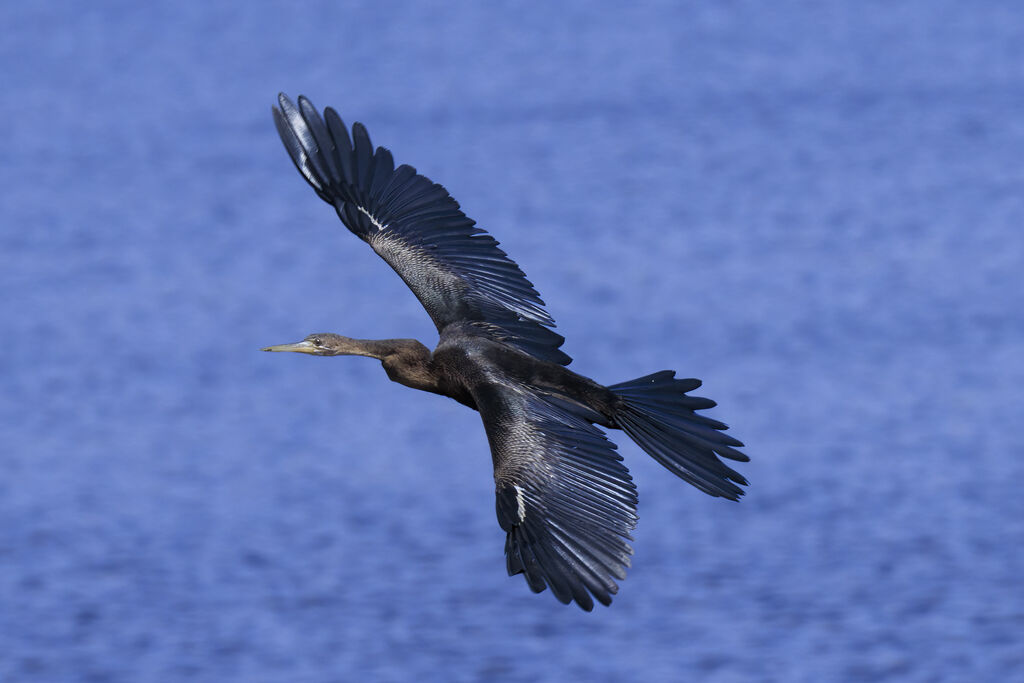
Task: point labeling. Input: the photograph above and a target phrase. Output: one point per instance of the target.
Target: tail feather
(658, 415)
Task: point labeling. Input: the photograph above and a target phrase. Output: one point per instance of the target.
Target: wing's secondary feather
(456, 269)
(563, 496)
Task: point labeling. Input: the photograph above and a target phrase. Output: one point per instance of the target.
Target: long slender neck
(406, 361)
(382, 349)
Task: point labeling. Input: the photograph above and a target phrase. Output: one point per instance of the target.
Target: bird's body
(563, 496)
(463, 365)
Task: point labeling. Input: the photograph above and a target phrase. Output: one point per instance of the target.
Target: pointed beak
(298, 347)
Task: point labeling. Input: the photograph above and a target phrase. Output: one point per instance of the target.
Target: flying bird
(564, 498)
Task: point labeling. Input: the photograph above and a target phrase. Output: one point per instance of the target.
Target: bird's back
(474, 363)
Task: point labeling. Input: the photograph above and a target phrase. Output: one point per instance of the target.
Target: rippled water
(815, 207)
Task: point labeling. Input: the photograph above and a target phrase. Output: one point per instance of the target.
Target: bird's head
(321, 344)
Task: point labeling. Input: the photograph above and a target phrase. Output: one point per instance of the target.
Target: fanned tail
(658, 415)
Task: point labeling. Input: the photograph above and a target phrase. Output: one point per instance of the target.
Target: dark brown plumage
(564, 498)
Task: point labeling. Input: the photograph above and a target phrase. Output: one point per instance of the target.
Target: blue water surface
(815, 207)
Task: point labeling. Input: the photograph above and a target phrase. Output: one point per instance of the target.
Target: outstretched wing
(563, 495)
(454, 268)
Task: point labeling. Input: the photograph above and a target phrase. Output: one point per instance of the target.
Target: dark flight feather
(563, 496)
(456, 270)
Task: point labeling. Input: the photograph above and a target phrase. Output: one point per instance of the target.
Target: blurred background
(814, 207)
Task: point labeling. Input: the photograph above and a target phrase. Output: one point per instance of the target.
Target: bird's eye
(317, 341)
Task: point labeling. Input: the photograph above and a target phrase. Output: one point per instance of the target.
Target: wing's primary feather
(563, 495)
(456, 270)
